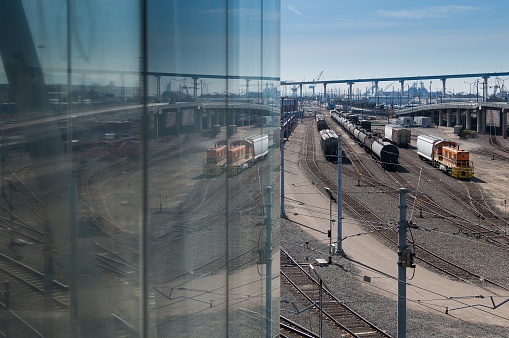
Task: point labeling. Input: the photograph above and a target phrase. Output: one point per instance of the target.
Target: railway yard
(187, 213)
(460, 284)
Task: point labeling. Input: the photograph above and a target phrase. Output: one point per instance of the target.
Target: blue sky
(370, 38)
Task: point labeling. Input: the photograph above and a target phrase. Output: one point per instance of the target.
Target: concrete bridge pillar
(233, 116)
(449, 117)
(440, 117)
(300, 87)
(350, 84)
(479, 120)
(178, 121)
(402, 87)
(325, 91)
(198, 120)
(483, 120)
(217, 119)
(208, 123)
(459, 120)
(504, 123)
(468, 119)
(443, 89)
(485, 90)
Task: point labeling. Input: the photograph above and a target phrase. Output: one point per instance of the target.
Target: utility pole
(331, 198)
(339, 248)
(405, 260)
(268, 261)
(282, 141)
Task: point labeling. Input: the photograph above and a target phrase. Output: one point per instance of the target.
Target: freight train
(321, 123)
(398, 135)
(445, 155)
(385, 153)
(238, 156)
(329, 143)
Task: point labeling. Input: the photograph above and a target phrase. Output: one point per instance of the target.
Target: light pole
(469, 87)
(331, 198)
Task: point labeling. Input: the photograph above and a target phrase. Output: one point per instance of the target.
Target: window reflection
(73, 134)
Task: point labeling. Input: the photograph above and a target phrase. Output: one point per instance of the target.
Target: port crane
(312, 86)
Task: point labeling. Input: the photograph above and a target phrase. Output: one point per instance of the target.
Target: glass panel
(79, 138)
(71, 188)
(208, 258)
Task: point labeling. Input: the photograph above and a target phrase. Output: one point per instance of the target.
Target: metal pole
(401, 264)
(282, 141)
(7, 299)
(268, 257)
(330, 227)
(339, 248)
(321, 308)
(3, 161)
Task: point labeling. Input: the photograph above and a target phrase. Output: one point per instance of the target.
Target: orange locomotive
(445, 155)
(237, 157)
(215, 163)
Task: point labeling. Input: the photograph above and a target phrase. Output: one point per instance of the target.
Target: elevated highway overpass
(401, 80)
(163, 118)
(454, 113)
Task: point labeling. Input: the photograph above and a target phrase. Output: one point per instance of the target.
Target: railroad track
(374, 221)
(494, 142)
(288, 328)
(470, 200)
(494, 235)
(347, 321)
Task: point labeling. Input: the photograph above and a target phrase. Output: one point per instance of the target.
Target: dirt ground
(427, 291)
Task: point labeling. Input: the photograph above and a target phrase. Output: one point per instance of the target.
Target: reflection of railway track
(20, 209)
(109, 260)
(34, 280)
(344, 319)
(374, 221)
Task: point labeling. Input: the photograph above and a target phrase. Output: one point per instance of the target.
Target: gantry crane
(312, 86)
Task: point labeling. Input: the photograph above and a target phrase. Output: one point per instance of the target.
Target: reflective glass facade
(140, 168)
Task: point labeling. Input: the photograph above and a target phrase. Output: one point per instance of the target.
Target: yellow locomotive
(445, 155)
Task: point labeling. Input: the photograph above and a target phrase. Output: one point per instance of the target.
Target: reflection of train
(288, 123)
(121, 147)
(385, 153)
(445, 155)
(237, 157)
(215, 162)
